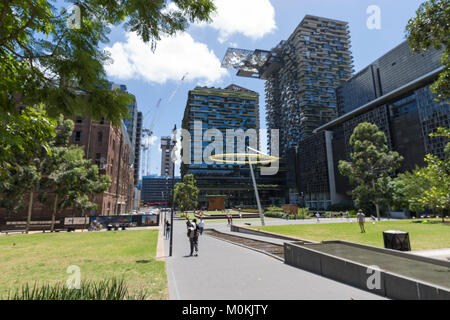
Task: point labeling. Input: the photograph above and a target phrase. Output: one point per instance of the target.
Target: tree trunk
(377, 207)
(52, 228)
(30, 207)
(442, 214)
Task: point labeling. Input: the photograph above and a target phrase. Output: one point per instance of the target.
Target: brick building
(108, 147)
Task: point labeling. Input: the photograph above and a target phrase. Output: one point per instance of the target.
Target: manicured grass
(44, 258)
(423, 236)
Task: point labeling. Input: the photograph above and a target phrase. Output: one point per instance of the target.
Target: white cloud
(173, 58)
(152, 140)
(252, 18)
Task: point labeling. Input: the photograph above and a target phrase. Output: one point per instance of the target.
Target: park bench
(12, 231)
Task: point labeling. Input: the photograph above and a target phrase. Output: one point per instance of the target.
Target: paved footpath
(224, 271)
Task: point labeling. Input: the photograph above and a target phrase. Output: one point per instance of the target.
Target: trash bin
(396, 240)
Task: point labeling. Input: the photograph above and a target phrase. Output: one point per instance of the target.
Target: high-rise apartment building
(301, 76)
(223, 121)
(166, 157)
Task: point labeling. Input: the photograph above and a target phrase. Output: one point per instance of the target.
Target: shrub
(112, 289)
(275, 209)
(273, 214)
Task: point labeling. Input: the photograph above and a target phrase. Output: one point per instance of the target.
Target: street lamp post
(261, 215)
(174, 142)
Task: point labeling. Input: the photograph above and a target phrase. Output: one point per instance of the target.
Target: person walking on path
(318, 216)
(229, 219)
(193, 237)
(168, 229)
(361, 219)
(201, 225)
(240, 213)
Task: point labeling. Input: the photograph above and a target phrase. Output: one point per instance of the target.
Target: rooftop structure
(301, 76)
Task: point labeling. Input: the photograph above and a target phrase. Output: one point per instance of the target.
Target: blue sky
(248, 24)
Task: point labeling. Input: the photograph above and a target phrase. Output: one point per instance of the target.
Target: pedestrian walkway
(226, 271)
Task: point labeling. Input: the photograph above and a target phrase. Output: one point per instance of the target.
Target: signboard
(149, 220)
(76, 221)
(36, 224)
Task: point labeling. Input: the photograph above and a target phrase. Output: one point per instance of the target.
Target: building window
(100, 137)
(79, 120)
(77, 137)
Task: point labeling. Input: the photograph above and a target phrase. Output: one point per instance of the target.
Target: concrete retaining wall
(242, 229)
(394, 286)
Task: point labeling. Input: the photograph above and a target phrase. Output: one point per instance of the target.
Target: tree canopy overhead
(45, 59)
(430, 28)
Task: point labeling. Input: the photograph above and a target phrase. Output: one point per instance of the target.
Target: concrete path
(227, 271)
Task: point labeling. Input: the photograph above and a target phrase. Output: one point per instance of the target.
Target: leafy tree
(430, 29)
(69, 176)
(408, 188)
(20, 183)
(23, 137)
(437, 172)
(186, 193)
(371, 165)
(45, 60)
(24, 140)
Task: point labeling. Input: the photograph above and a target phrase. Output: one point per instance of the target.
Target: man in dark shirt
(193, 236)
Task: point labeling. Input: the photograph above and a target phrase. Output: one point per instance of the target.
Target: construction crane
(148, 133)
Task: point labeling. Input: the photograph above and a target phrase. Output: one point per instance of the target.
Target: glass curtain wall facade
(156, 189)
(393, 93)
(134, 129)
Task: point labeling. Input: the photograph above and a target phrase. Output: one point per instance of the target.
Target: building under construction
(302, 74)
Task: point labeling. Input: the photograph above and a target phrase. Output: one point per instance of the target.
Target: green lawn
(44, 258)
(422, 236)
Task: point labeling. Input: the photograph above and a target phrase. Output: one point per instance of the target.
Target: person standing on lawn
(361, 219)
